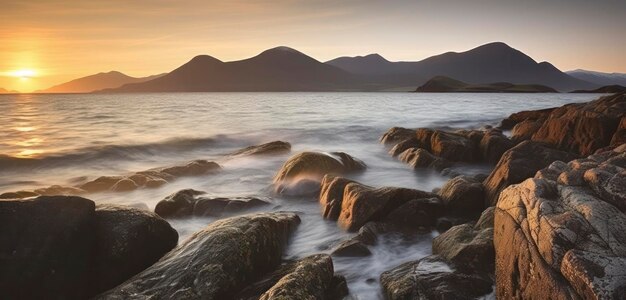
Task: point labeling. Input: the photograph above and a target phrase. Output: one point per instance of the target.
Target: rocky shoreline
(548, 219)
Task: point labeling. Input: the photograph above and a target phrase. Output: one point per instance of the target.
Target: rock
(432, 278)
(57, 190)
(194, 168)
(331, 196)
(100, 184)
(452, 146)
(310, 279)
(303, 187)
(463, 195)
(271, 148)
(619, 137)
(185, 203)
(469, 246)
(351, 248)
(312, 166)
(338, 289)
(552, 238)
(519, 117)
(404, 145)
(18, 195)
(215, 263)
(362, 204)
(396, 134)
(124, 185)
(416, 213)
(421, 158)
(129, 240)
(517, 164)
(524, 130)
(493, 144)
(46, 247)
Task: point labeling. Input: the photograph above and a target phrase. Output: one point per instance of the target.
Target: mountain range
(96, 82)
(442, 84)
(5, 91)
(599, 78)
(286, 69)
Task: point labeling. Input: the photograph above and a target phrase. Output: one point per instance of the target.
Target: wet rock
(362, 204)
(452, 146)
(469, 246)
(271, 148)
(421, 158)
(18, 195)
(432, 278)
(351, 248)
(404, 145)
(553, 238)
(186, 203)
(463, 195)
(100, 184)
(524, 130)
(517, 164)
(331, 195)
(519, 117)
(310, 279)
(493, 144)
(128, 241)
(217, 262)
(65, 247)
(46, 247)
(312, 166)
(396, 134)
(416, 213)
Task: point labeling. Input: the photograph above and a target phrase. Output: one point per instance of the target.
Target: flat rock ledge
(563, 232)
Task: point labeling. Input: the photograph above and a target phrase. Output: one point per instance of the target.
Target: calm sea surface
(68, 139)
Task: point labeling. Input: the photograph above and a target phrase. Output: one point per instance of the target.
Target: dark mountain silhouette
(599, 78)
(277, 69)
(442, 84)
(609, 89)
(5, 91)
(494, 62)
(96, 82)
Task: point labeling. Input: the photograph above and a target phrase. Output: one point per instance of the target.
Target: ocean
(68, 139)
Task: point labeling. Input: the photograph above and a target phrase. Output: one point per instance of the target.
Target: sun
(24, 73)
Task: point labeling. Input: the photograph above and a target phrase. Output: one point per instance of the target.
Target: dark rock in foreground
(215, 263)
(186, 203)
(463, 195)
(563, 233)
(432, 278)
(59, 247)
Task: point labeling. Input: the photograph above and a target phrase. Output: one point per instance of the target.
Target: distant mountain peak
(204, 58)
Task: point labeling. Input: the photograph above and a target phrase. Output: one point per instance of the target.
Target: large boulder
(310, 168)
(271, 148)
(493, 144)
(186, 203)
(331, 195)
(396, 134)
(463, 195)
(517, 164)
(453, 146)
(46, 247)
(521, 116)
(215, 263)
(63, 247)
(556, 235)
(421, 158)
(128, 241)
(432, 278)
(362, 204)
(469, 246)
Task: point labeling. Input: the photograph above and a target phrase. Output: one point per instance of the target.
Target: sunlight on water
(68, 139)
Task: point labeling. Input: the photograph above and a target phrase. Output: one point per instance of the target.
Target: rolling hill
(599, 78)
(96, 82)
(442, 84)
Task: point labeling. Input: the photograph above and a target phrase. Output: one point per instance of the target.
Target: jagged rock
(517, 164)
(553, 238)
(312, 166)
(128, 241)
(421, 158)
(432, 278)
(469, 246)
(271, 148)
(463, 195)
(186, 203)
(60, 247)
(215, 263)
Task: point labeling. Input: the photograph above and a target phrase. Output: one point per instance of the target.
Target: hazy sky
(62, 40)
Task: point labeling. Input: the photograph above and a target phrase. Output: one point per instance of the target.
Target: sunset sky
(43, 43)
